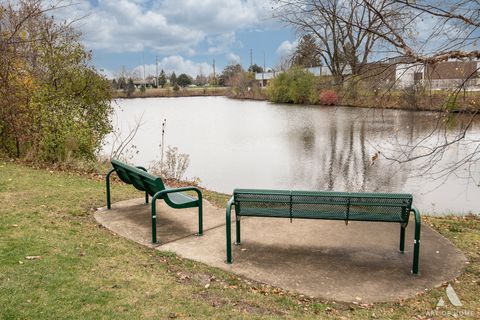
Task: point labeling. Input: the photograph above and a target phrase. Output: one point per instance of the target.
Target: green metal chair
(154, 186)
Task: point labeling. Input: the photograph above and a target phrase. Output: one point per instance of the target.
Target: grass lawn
(57, 263)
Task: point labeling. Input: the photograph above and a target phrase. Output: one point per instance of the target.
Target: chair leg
(154, 220)
(107, 181)
(200, 217)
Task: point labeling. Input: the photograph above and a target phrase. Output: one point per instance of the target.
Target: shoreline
(170, 93)
(225, 92)
(96, 171)
(437, 102)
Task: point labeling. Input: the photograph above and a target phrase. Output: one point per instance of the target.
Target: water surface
(256, 144)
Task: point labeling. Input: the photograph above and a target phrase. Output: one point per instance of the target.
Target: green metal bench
(153, 186)
(324, 205)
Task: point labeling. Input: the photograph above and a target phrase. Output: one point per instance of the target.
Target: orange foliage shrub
(328, 97)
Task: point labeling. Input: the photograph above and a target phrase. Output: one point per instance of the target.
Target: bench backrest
(323, 205)
(140, 179)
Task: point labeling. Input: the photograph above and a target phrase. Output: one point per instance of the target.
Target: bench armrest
(166, 191)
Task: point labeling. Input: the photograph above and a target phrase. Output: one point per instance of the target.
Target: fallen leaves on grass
(33, 257)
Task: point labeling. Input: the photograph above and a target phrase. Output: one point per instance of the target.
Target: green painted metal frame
(107, 178)
(233, 202)
(416, 242)
(160, 193)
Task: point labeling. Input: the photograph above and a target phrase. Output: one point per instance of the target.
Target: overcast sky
(186, 35)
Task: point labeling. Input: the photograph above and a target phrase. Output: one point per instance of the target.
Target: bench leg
(416, 244)
(402, 238)
(200, 215)
(109, 204)
(229, 230)
(237, 230)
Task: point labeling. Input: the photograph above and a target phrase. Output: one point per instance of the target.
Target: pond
(256, 144)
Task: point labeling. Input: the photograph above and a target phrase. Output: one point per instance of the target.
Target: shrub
(54, 106)
(328, 97)
(244, 86)
(174, 166)
(293, 86)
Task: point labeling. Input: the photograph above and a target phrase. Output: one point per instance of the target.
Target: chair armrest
(166, 191)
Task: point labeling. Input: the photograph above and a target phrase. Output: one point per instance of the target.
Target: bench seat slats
(324, 214)
(180, 198)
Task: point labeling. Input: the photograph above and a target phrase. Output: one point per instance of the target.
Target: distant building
(403, 72)
(264, 77)
(147, 83)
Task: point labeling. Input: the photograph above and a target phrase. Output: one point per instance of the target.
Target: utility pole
(263, 70)
(251, 58)
(214, 76)
(156, 71)
(143, 62)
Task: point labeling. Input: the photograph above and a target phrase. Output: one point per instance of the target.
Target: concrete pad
(319, 258)
(132, 219)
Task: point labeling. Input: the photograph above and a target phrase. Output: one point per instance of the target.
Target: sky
(185, 36)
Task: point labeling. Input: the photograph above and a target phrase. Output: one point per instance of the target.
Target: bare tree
(419, 33)
(342, 28)
(445, 29)
(122, 147)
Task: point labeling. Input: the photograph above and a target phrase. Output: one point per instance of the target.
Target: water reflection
(337, 153)
(252, 144)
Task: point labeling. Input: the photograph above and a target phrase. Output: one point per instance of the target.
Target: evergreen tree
(162, 79)
(173, 79)
(130, 88)
(114, 84)
(184, 80)
(122, 83)
(307, 53)
(255, 68)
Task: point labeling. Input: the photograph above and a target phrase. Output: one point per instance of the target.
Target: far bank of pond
(256, 144)
(170, 92)
(439, 100)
